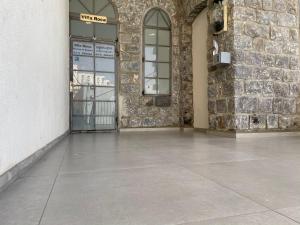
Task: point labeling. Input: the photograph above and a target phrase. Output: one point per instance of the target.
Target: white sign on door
(83, 48)
(104, 50)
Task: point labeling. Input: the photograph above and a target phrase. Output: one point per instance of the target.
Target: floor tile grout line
(52, 187)
(226, 217)
(245, 196)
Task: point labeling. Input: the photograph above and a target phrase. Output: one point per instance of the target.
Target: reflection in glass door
(94, 86)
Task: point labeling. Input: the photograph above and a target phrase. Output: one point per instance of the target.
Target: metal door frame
(116, 87)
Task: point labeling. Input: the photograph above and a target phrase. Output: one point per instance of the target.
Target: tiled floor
(159, 178)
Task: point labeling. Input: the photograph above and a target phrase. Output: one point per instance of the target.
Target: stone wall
(136, 110)
(260, 90)
(221, 85)
(266, 64)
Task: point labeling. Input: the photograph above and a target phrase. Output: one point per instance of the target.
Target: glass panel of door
(94, 86)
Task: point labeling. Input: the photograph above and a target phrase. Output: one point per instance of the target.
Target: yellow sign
(93, 18)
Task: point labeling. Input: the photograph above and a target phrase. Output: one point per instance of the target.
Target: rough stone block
(212, 107)
(276, 74)
(278, 105)
(221, 122)
(242, 72)
(280, 33)
(268, 89)
(242, 122)
(242, 42)
(291, 6)
(266, 105)
(254, 87)
(279, 5)
(286, 122)
(287, 20)
(256, 4)
(254, 58)
(289, 106)
(295, 89)
(129, 66)
(274, 47)
(267, 60)
(294, 35)
(259, 44)
(291, 49)
(272, 121)
(212, 91)
(267, 4)
(281, 89)
(212, 122)
(266, 17)
(244, 14)
(258, 122)
(221, 106)
(294, 63)
(231, 105)
(261, 73)
(282, 61)
(246, 104)
(256, 30)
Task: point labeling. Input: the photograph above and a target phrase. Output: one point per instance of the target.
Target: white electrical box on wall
(222, 59)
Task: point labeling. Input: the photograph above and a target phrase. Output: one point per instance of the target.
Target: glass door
(93, 86)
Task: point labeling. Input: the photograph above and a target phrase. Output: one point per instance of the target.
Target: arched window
(157, 57)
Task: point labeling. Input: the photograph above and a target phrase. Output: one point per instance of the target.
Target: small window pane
(99, 5)
(105, 94)
(82, 108)
(105, 65)
(83, 93)
(163, 54)
(150, 53)
(88, 4)
(105, 108)
(164, 37)
(167, 18)
(162, 22)
(105, 79)
(77, 7)
(82, 29)
(150, 69)
(83, 63)
(150, 86)
(151, 19)
(105, 122)
(83, 78)
(163, 86)
(106, 31)
(108, 11)
(83, 48)
(163, 70)
(150, 36)
(83, 123)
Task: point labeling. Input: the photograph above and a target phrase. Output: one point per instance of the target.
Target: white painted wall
(34, 103)
(200, 72)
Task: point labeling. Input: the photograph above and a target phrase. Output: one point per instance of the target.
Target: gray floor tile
(293, 213)
(265, 218)
(23, 202)
(150, 197)
(82, 162)
(268, 182)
